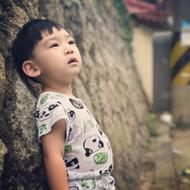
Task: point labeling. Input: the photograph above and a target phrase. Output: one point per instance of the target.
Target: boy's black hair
(27, 38)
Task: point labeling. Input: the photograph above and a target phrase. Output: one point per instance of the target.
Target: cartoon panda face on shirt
(76, 103)
(92, 144)
(106, 171)
(46, 111)
(71, 114)
(72, 162)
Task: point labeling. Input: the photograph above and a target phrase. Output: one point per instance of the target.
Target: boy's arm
(53, 150)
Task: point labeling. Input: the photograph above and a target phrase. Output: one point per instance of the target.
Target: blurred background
(161, 53)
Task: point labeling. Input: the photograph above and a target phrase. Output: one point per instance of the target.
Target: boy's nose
(68, 51)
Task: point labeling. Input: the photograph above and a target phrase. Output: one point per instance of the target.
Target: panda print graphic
(92, 144)
(88, 153)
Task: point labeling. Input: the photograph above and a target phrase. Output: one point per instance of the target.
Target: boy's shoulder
(47, 97)
(49, 105)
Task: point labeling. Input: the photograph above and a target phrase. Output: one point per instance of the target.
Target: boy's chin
(78, 70)
(75, 74)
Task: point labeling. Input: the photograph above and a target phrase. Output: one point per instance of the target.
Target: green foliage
(124, 20)
(151, 124)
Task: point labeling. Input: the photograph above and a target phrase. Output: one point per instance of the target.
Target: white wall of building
(143, 56)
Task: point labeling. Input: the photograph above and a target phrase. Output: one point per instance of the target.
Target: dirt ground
(165, 162)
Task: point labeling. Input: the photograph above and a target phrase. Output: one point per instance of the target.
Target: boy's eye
(54, 45)
(71, 42)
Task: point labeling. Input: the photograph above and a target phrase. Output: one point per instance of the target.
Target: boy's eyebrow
(56, 38)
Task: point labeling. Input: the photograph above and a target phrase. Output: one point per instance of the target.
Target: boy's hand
(53, 150)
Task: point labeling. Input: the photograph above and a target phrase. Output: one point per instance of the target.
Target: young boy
(77, 154)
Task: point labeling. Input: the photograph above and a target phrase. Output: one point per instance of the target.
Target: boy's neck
(67, 90)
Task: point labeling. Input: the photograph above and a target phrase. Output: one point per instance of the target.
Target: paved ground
(181, 153)
(169, 154)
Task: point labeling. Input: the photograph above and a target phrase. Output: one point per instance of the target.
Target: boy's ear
(31, 69)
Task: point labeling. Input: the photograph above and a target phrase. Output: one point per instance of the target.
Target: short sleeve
(47, 114)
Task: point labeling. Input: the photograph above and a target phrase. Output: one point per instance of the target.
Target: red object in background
(146, 11)
(135, 6)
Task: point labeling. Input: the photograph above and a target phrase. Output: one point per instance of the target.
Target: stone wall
(108, 84)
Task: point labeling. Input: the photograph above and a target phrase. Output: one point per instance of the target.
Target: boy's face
(57, 57)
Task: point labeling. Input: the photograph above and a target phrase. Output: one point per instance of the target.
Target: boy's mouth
(72, 60)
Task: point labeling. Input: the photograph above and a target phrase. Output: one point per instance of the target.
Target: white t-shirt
(88, 154)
